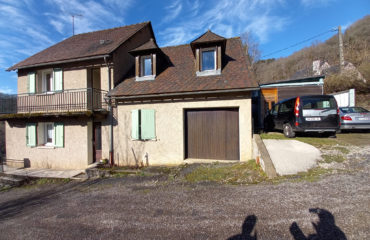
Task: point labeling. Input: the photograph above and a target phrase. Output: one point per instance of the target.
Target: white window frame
(44, 126)
(141, 76)
(210, 72)
(214, 58)
(44, 83)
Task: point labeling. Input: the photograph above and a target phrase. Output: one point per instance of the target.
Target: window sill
(45, 147)
(144, 140)
(209, 73)
(145, 78)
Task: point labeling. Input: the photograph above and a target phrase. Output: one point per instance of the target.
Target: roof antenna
(73, 21)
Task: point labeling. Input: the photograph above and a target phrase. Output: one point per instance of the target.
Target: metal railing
(73, 100)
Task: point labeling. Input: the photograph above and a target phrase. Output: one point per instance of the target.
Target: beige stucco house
(60, 116)
(114, 94)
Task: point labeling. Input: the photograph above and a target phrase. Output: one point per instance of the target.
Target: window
(49, 80)
(45, 134)
(146, 66)
(208, 60)
(286, 107)
(143, 124)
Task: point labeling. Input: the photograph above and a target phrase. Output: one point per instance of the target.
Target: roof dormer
(208, 50)
(146, 60)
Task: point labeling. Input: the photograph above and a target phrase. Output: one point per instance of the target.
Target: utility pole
(341, 57)
(73, 22)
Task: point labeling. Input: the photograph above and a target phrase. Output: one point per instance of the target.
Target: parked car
(316, 113)
(354, 118)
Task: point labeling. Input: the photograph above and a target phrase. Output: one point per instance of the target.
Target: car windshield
(353, 110)
(319, 103)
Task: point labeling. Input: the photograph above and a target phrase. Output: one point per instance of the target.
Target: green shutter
(135, 124)
(58, 79)
(31, 135)
(147, 124)
(32, 83)
(59, 134)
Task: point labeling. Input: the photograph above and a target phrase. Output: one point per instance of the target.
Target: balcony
(67, 102)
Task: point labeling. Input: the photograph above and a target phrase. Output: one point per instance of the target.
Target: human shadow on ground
(325, 228)
(247, 228)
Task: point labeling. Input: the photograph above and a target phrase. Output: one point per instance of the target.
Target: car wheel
(288, 131)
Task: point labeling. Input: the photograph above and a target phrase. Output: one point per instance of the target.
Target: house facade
(60, 116)
(114, 94)
(185, 103)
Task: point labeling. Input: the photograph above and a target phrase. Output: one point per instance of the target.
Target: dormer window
(146, 66)
(146, 60)
(208, 60)
(208, 50)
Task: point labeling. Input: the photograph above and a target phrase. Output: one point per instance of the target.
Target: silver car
(354, 118)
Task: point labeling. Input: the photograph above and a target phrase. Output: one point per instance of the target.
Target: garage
(212, 134)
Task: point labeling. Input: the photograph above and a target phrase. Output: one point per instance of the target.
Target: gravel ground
(154, 208)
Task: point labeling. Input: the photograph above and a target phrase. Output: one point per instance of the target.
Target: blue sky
(28, 26)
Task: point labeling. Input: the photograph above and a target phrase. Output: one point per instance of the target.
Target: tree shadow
(247, 228)
(325, 228)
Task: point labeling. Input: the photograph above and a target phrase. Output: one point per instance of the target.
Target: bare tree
(251, 47)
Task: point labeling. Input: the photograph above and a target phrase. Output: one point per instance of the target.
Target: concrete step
(12, 181)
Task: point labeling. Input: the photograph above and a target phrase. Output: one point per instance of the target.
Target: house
(184, 103)
(115, 94)
(60, 117)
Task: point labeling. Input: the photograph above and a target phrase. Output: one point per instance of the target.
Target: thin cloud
(173, 11)
(227, 18)
(316, 3)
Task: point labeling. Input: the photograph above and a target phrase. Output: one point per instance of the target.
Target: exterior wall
(22, 84)
(74, 79)
(123, 60)
(104, 84)
(74, 154)
(169, 147)
(105, 140)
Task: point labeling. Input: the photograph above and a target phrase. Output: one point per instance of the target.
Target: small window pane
(146, 66)
(208, 60)
(50, 133)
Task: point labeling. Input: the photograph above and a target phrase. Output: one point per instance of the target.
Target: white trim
(145, 78)
(292, 84)
(209, 73)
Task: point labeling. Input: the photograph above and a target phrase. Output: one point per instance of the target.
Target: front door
(97, 141)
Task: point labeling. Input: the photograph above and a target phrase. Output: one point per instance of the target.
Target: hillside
(356, 40)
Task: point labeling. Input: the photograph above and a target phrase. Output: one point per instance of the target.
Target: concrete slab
(291, 156)
(43, 173)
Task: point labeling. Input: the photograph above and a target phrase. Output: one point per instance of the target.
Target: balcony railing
(76, 100)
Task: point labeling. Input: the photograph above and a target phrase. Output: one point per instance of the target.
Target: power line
(306, 40)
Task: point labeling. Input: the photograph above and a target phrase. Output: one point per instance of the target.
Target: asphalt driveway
(154, 208)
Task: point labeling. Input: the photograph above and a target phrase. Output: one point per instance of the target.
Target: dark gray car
(318, 113)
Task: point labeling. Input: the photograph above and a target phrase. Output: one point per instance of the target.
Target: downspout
(110, 110)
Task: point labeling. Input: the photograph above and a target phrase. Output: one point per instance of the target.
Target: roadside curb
(264, 157)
